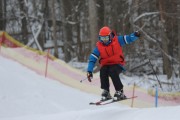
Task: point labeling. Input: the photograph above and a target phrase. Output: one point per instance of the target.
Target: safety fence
(47, 65)
(41, 62)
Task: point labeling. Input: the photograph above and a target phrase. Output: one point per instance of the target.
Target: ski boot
(105, 95)
(119, 95)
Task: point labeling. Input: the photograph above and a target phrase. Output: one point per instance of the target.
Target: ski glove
(137, 34)
(89, 76)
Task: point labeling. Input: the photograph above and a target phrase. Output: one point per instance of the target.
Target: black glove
(137, 34)
(89, 76)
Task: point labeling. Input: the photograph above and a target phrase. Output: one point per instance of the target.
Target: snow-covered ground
(24, 95)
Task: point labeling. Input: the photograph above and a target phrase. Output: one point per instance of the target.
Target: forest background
(69, 28)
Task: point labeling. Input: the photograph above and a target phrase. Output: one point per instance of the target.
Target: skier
(109, 52)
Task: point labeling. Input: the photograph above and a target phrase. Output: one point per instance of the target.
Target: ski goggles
(104, 39)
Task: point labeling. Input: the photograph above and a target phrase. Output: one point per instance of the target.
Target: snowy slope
(24, 95)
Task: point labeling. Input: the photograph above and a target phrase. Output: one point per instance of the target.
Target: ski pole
(83, 80)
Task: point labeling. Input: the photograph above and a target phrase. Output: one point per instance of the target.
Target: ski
(99, 102)
(113, 101)
(109, 101)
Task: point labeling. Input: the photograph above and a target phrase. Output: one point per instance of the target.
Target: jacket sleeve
(127, 39)
(92, 59)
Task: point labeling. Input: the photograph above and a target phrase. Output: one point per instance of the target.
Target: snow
(24, 95)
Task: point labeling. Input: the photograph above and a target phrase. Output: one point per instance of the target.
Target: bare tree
(93, 22)
(24, 29)
(178, 12)
(2, 14)
(67, 56)
(54, 28)
(166, 62)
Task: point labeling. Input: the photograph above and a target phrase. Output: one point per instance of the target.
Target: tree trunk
(54, 29)
(106, 12)
(2, 14)
(24, 29)
(166, 62)
(178, 7)
(67, 55)
(80, 51)
(100, 13)
(93, 22)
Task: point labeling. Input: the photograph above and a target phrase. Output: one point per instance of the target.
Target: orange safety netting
(37, 61)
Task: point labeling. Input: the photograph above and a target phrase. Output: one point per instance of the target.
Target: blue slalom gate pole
(156, 96)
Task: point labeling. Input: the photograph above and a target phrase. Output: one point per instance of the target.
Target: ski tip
(97, 103)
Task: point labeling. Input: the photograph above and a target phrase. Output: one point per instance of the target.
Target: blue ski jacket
(95, 55)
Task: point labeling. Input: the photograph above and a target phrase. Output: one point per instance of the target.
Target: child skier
(109, 52)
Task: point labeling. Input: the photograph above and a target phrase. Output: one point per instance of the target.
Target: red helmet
(105, 31)
(105, 35)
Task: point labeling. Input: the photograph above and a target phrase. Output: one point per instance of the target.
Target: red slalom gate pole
(0, 47)
(47, 62)
(132, 103)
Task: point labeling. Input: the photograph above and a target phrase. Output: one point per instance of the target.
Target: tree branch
(145, 14)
